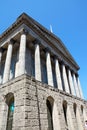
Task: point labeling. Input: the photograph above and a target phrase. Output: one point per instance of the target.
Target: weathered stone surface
(30, 105)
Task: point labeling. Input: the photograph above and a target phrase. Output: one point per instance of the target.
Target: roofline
(23, 17)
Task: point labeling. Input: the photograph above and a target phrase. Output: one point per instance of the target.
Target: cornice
(43, 32)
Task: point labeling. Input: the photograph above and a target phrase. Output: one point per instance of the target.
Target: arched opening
(74, 108)
(83, 113)
(49, 103)
(52, 114)
(77, 117)
(10, 103)
(65, 111)
(82, 109)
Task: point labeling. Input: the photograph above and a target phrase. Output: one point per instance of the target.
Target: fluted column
(0, 63)
(71, 82)
(37, 61)
(49, 68)
(75, 85)
(58, 75)
(8, 62)
(22, 52)
(80, 88)
(65, 80)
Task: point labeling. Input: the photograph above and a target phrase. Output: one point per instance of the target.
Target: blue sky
(67, 17)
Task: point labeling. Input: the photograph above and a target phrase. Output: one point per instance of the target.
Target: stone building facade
(39, 81)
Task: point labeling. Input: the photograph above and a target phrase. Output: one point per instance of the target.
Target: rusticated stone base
(30, 112)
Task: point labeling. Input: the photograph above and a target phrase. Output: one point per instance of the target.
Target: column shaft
(76, 86)
(0, 66)
(58, 75)
(80, 89)
(8, 63)
(37, 63)
(71, 82)
(49, 69)
(65, 79)
(22, 53)
(0, 56)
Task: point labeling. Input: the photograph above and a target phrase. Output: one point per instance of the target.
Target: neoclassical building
(39, 82)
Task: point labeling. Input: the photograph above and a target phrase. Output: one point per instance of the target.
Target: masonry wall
(45, 91)
(30, 112)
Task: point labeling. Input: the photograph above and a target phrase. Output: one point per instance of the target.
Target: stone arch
(10, 104)
(65, 110)
(5, 106)
(77, 116)
(69, 119)
(74, 108)
(9, 97)
(52, 114)
(67, 115)
(83, 113)
(7, 119)
(82, 109)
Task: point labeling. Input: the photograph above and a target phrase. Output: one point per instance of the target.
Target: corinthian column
(71, 82)
(58, 75)
(49, 68)
(37, 61)
(65, 80)
(22, 52)
(8, 62)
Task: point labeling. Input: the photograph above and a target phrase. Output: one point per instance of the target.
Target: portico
(64, 78)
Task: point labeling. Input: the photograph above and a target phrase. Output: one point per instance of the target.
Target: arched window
(10, 103)
(52, 114)
(49, 114)
(82, 109)
(83, 112)
(65, 110)
(74, 108)
(77, 117)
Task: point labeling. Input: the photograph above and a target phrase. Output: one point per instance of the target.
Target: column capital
(24, 31)
(36, 41)
(68, 67)
(47, 50)
(77, 75)
(12, 41)
(62, 62)
(2, 49)
(55, 57)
